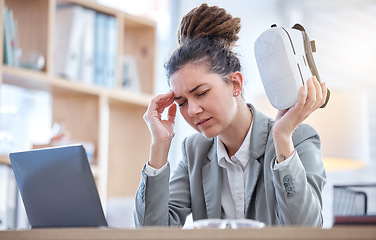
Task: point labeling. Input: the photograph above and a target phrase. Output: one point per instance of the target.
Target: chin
(209, 133)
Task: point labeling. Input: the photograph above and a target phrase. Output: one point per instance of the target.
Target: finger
(281, 113)
(311, 95)
(156, 106)
(302, 98)
(165, 104)
(162, 98)
(318, 92)
(324, 93)
(172, 113)
(161, 101)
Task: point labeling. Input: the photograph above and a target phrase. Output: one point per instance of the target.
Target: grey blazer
(289, 195)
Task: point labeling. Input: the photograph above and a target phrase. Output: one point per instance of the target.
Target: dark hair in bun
(205, 21)
(206, 35)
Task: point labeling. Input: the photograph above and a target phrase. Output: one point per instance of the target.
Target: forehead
(190, 76)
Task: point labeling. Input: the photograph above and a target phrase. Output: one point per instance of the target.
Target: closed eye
(181, 104)
(203, 93)
(198, 95)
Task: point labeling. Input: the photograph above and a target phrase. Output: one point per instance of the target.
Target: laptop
(57, 187)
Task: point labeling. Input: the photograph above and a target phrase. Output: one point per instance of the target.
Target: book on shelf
(14, 56)
(111, 35)
(68, 29)
(105, 50)
(99, 46)
(86, 45)
(87, 64)
(10, 38)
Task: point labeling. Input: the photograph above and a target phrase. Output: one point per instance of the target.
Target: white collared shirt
(235, 178)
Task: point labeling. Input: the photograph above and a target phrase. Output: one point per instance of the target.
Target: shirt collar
(244, 151)
(242, 155)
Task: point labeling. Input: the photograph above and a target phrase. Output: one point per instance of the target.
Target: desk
(291, 233)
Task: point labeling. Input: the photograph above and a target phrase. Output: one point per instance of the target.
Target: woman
(240, 164)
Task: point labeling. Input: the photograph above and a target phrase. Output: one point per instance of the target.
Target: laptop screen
(57, 187)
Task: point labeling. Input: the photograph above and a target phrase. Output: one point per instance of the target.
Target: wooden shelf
(35, 80)
(131, 20)
(112, 119)
(126, 97)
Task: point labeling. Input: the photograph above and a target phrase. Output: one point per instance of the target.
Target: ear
(236, 79)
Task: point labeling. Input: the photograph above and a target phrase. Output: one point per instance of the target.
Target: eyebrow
(191, 91)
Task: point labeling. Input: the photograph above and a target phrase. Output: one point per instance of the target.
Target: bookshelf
(111, 118)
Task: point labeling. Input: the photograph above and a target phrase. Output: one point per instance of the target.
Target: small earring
(236, 94)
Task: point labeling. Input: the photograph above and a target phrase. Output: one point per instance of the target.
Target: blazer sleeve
(160, 202)
(298, 185)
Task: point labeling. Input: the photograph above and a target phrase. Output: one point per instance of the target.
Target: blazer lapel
(259, 135)
(259, 138)
(212, 184)
(252, 182)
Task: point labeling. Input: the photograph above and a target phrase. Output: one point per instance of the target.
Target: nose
(193, 108)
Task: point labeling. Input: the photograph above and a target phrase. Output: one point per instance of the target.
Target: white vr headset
(285, 62)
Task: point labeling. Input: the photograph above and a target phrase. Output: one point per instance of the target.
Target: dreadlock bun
(206, 37)
(211, 22)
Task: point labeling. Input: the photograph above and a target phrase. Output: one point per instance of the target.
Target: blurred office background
(345, 36)
(345, 41)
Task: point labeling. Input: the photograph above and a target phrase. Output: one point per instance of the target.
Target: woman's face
(205, 100)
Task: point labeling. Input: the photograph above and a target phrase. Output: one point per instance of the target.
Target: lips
(202, 121)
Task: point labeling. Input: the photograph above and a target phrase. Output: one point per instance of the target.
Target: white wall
(345, 36)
